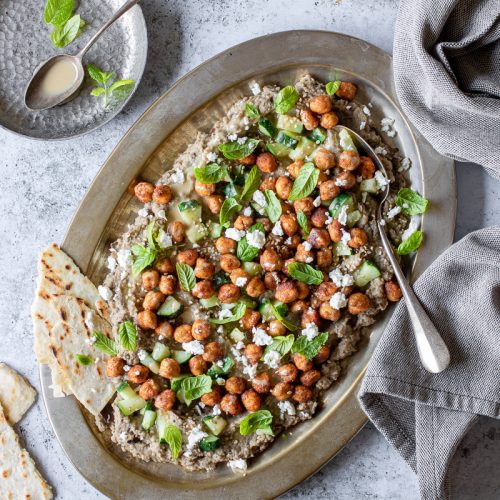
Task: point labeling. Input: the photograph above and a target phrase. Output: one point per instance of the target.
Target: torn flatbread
(16, 394)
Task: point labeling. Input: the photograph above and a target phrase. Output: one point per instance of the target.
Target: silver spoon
(434, 354)
(36, 100)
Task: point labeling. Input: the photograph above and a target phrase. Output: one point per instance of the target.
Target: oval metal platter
(148, 149)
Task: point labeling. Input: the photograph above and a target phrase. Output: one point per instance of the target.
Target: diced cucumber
(266, 311)
(129, 406)
(216, 371)
(175, 383)
(160, 351)
(215, 230)
(125, 391)
(252, 268)
(209, 443)
(369, 186)
(149, 406)
(267, 128)
(215, 424)
(196, 232)
(339, 202)
(151, 364)
(171, 308)
(211, 302)
(149, 419)
(236, 335)
(366, 273)
(189, 211)
(181, 356)
(290, 123)
(346, 142)
(287, 139)
(341, 249)
(251, 304)
(304, 148)
(278, 150)
(353, 217)
(318, 135)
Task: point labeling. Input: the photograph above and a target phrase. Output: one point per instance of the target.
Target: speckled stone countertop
(42, 183)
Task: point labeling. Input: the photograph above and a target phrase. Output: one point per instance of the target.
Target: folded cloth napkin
(425, 415)
(447, 75)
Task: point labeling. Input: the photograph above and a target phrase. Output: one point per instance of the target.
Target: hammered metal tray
(25, 42)
(148, 149)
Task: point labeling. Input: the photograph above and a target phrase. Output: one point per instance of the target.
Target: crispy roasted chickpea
(287, 373)
(162, 194)
(150, 279)
(310, 377)
(165, 400)
(147, 320)
(251, 400)
(200, 329)
(288, 263)
(153, 300)
(322, 177)
(319, 238)
(250, 319)
(305, 205)
(322, 356)
(255, 287)
(302, 394)
(299, 306)
(214, 202)
(235, 385)
(289, 224)
(326, 290)
(310, 316)
(347, 91)
(303, 289)
(335, 230)
(229, 262)
(282, 391)
(270, 260)
(301, 362)
(164, 266)
(276, 328)
(165, 330)
(229, 293)
(294, 168)
(248, 160)
(204, 269)
(345, 180)
(328, 190)
(213, 397)
(268, 184)
(261, 383)
(303, 255)
(367, 167)
(213, 352)
(272, 280)
(324, 159)
(239, 277)
(138, 374)
(231, 404)
(168, 284)
(114, 367)
(243, 222)
(392, 291)
(347, 290)
(349, 160)
(149, 389)
(283, 187)
(188, 257)
(358, 237)
(266, 163)
(225, 245)
(144, 191)
(319, 216)
(320, 104)
(329, 120)
(177, 230)
(203, 290)
(326, 311)
(204, 189)
(324, 258)
(309, 120)
(197, 365)
(169, 368)
(253, 352)
(287, 292)
(358, 303)
(183, 333)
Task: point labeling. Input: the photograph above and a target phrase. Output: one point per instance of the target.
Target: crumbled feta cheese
(286, 407)
(255, 87)
(126, 368)
(220, 381)
(329, 219)
(362, 125)
(111, 263)
(310, 331)
(212, 156)
(260, 337)
(123, 435)
(366, 111)
(307, 246)
(380, 151)
(225, 313)
(277, 229)
(241, 140)
(232, 137)
(405, 165)
(346, 236)
(241, 281)
(124, 258)
(338, 301)
(161, 214)
(272, 359)
(414, 224)
(259, 198)
(143, 212)
(142, 354)
(342, 217)
(382, 222)
(194, 437)
(238, 465)
(317, 201)
(239, 345)
(381, 179)
(341, 182)
(288, 241)
(387, 125)
(234, 234)
(393, 212)
(256, 239)
(105, 292)
(341, 279)
(164, 239)
(194, 347)
(216, 410)
(308, 260)
(247, 212)
(177, 177)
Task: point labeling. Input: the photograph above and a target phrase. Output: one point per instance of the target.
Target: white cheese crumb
(260, 337)
(239, 345)
(247, 212)
(288, 241)
(272, 359)
(342, 217)
(124, 258)
(286, 407)
(255, 87)
(387, 125)
(414, 224)
(341, 279)
(405, 165)
(241, 281)
(338, 301)
(164, 239)
(143, 212)
(238, 465)
(241, 140)
(346, 236)
(277, 229)
(362, 125)
(256, 239)
(308, 260)
(232, 137)
(225, 313)
(380, 151)
(259, 198)
(340, 182)
(216, 410)
(310, 331)
(234, 234)
(220, 381)
(212, 156)
(307, 246)
(142, 354)
(105, 292)
(177, 177)
(194, 347)
(126, 368)
(161, 214)
(382, 181)
(366, 111)
(194, 437)
(317, 201)
(111, 263)
(382, 222)
(359, 179)
(393, 212)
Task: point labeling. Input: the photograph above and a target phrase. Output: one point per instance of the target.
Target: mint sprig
(112, 91)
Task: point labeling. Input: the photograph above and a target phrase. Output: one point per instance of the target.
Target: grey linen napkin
(447, 75)
(423, 415)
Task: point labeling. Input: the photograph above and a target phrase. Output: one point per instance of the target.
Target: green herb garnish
(246, 252)
(238, 313)
(261, 419)
(252, 183)
(251, 111)
(105, 344)
(65, 34)
(83, 359)
(58, 13)
(279, 315)
(112, 91)
(303, 223)
(305, 273)
(194, 387)
(234, 150)
(127, 334)
(229, 208)
(144, 257)
(281, 344)
(186, 276)
(273, 208)
(309, 348)
(305, 183)
(332, 87)
(286, 99)
(411, 244)
(173, 437)
(211, 174)
(411, 202)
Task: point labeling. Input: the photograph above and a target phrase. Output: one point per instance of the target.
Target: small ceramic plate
(25, 42)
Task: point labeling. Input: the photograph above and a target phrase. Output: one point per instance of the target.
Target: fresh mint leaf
(98, 74)
(121, 89)
(411, 244)
(228, 209)
(211, 174)
(238, 313)
(105, 344)
(234, 150)
(281, 344)
(65, 34)
(251, 111)
(303, 222)
(172, 436)
(309, 348)
(332, 87)
(261, 419)
(57, 12)
(305, 183)
(305, 273)
(286, 99)
(273, 208)
(83, 359)
(150, 234)
(144, 257)
(252, 183)
(246, 252)
(411, 202)
(97, 91)
(194, 387)
(127, 334)
(186, 276)
(289, 325)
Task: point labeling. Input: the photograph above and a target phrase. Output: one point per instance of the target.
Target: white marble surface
(42, 184)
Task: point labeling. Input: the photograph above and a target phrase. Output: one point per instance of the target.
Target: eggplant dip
(252, 270)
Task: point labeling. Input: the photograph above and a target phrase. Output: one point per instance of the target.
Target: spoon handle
(433, 352)
(124, 8)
